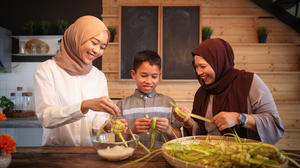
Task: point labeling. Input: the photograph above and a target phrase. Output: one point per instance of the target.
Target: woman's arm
(263, 116)
(263, 109)
(47, 103)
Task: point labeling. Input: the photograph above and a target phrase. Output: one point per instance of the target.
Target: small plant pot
(205, 38)
(30, 32)
(111, 39)
(45, 32)
(262, 39)
(61, 31)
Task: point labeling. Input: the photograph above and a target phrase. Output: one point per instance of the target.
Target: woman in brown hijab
(71, 94)
(230, 97)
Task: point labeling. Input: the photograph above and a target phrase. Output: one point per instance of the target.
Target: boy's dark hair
(147, 55)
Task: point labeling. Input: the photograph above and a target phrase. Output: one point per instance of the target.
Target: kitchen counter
(21, 122)
(76, 157)
(81, 157)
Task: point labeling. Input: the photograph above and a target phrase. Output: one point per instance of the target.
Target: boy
(139, 108)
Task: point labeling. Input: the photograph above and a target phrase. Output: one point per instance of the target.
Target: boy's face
(146, 77)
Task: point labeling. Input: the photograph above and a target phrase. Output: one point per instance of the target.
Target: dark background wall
(14, 14)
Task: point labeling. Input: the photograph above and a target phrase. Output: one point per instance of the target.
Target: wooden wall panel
(243, 29)
(205, 3)
(289, 143)
(277, 62)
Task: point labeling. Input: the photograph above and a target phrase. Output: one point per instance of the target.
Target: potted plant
(113, 32)
(6, 104)
(61, 26)
(207, 31)
(262, 33)
(45, 26)
(30, 27)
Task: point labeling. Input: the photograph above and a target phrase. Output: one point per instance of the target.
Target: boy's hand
(162, 125)
(141, 125)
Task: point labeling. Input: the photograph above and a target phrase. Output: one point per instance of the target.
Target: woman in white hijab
(71, 95)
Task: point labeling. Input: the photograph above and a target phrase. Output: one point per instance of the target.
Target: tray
(196, 139)
(20, 114)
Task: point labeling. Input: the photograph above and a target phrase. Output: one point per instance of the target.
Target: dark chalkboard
(139, 31)
(180, 37)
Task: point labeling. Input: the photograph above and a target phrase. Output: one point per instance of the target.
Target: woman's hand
(102, 104)
(225, 120)
(141, 125)
(186, 119)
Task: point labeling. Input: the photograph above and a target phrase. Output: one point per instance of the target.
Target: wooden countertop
(60, 157)
(73, 157)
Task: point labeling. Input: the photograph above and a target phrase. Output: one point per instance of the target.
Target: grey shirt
(154, 104)
(263, 108)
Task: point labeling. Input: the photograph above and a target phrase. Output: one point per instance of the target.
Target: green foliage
(5, 103)
(262, 31)
(112, 30)
(30, 25)
(61, 24)
(45, 24)
(207, 31)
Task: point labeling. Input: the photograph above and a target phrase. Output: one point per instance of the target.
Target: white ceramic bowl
(111, 147)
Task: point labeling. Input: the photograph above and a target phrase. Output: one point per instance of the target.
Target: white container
(27, 101)
(19, 100)
(13, 99)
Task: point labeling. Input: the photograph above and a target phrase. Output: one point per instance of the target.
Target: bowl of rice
(111, 147)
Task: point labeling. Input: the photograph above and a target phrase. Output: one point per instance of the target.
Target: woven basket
(195, 140)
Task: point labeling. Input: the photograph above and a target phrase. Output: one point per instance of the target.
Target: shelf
(279, 73)
(35, 55)
(39, 37)
(264, 44)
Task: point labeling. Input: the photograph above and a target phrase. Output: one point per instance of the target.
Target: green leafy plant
(6, 103)
(262, 31)
(30, 25)
(45, 24)
(207, 31)
(61, 24)
(112, 30)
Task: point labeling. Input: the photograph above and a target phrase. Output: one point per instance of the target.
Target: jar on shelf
(19, 100)
(27, 101)
(13, 99)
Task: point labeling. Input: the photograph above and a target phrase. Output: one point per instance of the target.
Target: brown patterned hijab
(231, 87)
(69, 57)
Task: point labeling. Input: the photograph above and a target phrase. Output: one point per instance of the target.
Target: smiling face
(204, 70)
(94, 47)
(146, 77)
